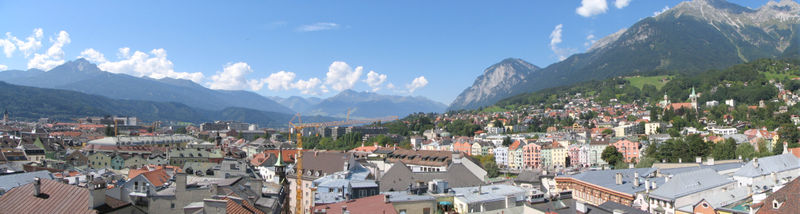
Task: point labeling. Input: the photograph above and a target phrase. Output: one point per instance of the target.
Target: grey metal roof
(605, 178)
(690, 182)
(717, 167)
(7, 182)
(487, 193)
(767, 165)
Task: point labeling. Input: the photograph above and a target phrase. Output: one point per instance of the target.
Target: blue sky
(311, 48)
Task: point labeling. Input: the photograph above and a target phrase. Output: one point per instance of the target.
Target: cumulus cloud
(374, 80)
(621, 3)
(319, 26)
(661, 11)
(281, 80)
(140, 64)
(8, 47)
(590, 39)
(310, 86)
(27, 46)
(93, 55)
(341, 76)
(3, 67)
(54, 55)
(417, 83)
(233, 77)
(555, 39)
(590, 8)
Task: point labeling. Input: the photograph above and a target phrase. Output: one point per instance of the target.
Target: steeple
(693, 95)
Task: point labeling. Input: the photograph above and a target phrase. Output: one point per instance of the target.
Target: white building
(501, 156)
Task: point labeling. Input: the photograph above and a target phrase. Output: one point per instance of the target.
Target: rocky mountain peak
(496, 81)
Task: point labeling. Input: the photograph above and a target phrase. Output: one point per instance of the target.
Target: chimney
(774, 177)
(618, 211)
(386, 198)
(653, 186)
(710, 161)
(344, 209)
(636, 179)
(631, 166)
(647, 186)
(755, 162)
(257, 186)
(698, 159)
(680, 160)
(740, 157)
(580, 207)
(180, 181)
(618, 178)
(97, 193)
(37, 187)
(666, 178)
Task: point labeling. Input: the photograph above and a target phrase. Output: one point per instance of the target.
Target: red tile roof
(157, 177)
(58, 198)
(372, 204)
(240, 206)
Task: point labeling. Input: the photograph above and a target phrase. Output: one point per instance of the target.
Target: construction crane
(298, 128)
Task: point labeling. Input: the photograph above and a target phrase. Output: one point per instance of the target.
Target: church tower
(5, 116)
(693, 98)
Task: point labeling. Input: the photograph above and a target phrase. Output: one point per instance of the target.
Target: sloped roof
(767, 165)
(690, 182)
(371, 204)
(157, 177)
(8, 182)
(59, 198)
(788, 194)
(605, 178)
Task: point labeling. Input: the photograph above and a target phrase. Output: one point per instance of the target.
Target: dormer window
(776, 204)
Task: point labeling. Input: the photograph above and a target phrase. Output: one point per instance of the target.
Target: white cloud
(140, 64)
(8, 47)
(621, 3)
(590, 39)
(309, 86)
(93, 56)
(341, 76)
(590, 8)
(374, 80)
(661, 11)
(417, 83)
(3, 67)
(232, 77)
(281, 80)
(319, 26)
(555, 39)
(390, 86)
(54, 55)
(28, 46)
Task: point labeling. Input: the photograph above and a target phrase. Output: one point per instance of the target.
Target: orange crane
(298, 128)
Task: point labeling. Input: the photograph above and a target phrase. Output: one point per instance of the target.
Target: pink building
(629, 150)
(532, 156)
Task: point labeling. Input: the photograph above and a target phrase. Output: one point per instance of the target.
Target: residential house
(405, 202)
(768, 171)
(51, 196)
(316, 164)
(99, 160)
(785, 200)
(76, 159)
(629, 150)
(532, 157)
(501, 156)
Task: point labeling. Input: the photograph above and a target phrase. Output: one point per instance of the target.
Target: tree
(611, 156)
(745, 150)
(725, 150)
(777, 148)
(507, 141)
(607, 132)
(489, 164)
(763, 149)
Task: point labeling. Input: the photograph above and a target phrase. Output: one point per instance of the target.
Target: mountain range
(693, 36)
(362, 105)
(82, 76)
(32, 103)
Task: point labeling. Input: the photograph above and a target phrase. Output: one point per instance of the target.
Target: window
(426, 210)
(775, 204)
(172, 205)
